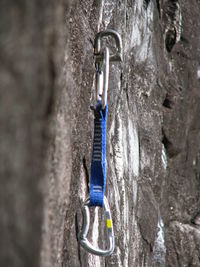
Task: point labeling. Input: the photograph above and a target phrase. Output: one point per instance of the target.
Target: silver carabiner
(82, 236)
(102, 61)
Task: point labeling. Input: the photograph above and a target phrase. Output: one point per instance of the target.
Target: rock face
(153, 130)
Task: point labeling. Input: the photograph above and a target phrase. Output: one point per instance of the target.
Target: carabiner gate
(102, 78)
(82, 236)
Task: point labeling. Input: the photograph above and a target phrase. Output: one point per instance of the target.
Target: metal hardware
(82, 236)
(102, 77)
(97, 45)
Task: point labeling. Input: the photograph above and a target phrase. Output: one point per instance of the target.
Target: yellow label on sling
(108, 223)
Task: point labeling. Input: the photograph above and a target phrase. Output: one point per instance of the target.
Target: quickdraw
(98, 163)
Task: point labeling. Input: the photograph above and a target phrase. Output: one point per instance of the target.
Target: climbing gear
(85, 228)
(102, 73)
(98, 162)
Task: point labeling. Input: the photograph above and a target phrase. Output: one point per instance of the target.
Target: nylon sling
(98, 162)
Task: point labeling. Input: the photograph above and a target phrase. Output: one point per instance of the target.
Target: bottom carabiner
(82, 236)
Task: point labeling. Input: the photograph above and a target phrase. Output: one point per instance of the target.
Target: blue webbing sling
(98, 163)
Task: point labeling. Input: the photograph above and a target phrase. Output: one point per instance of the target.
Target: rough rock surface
(153, 130)
(153, 180)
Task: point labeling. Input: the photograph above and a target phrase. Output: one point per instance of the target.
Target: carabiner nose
(82, 236)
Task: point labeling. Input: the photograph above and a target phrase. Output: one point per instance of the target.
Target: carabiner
(102, 60)
(102, 78)
(82, 236)
(97, 45)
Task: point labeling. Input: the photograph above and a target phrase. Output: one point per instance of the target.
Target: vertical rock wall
(153, 149)
(152, 135)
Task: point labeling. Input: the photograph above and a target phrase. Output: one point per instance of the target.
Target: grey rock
(153, 129)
